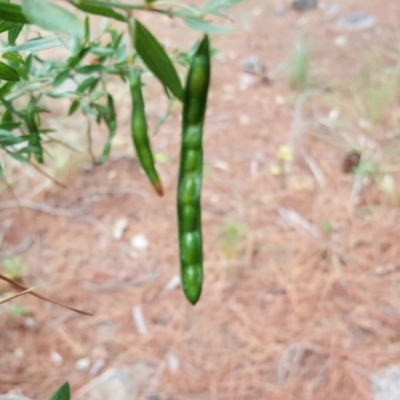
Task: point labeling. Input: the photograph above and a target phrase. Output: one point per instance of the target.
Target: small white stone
(244, 119)
(246, 81)
(280, 100)
(221, 165)
(82, 364)
(139, 242)
(173, 362)
(334, 114)
(173, 283)
(56, 358)
(29, 322)
(119, 228)
(138, 317)
(19, 353)
(214, 198)
(340, 41)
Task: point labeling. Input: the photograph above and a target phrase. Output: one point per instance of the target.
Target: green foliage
(83, 76)
(299, 64)
(16, 310)
(55, 18)
(63, 393)
(13, 267)
(156, 59)
(230, 237)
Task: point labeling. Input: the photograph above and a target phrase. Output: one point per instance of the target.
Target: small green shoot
(13, 267)
(327, 226)
(299, 66)
(230, 237)
(17, 310)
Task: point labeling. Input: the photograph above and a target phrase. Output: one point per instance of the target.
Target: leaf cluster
(83, 75)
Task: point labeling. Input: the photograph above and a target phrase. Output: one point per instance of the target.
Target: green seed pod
(192, 279)
(139, 133)
(191, 171)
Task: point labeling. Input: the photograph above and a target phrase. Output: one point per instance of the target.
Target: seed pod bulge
(192, 137)
(191, 161)
(190, 247)
(189, 189)
(194, 111)
(189, 218)
(192, 278)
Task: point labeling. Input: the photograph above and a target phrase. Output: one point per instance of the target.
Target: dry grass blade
(19, 285)
(5, 300)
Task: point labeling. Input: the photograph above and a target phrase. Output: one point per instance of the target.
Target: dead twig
(20, 286)
(6, 299)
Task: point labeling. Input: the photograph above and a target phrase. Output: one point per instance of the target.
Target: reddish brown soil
(285, 314)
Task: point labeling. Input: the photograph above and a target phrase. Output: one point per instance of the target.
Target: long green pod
(191, 173)
(139, 133)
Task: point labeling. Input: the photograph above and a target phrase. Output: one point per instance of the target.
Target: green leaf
(7, 25)
(37, 44)
(86, 29)
(87, 110)
(34, 137)
(18, 157)
(6, 119)
(61, 77)
(12, 12)
(51, 17)
(102, 51)
(6, 88)
(111, 122)
(99, 10)
(7, 73)
(216, 5)
(9, 125)
(59, 95)
(63, 393)
(108, 5)
(12, 56)
(89, 69)
(8, 139)
(205, 27)
(14, 33)
(77, 58)
(88, 83)
(25, 69)
(157, 60)
(74, 107)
